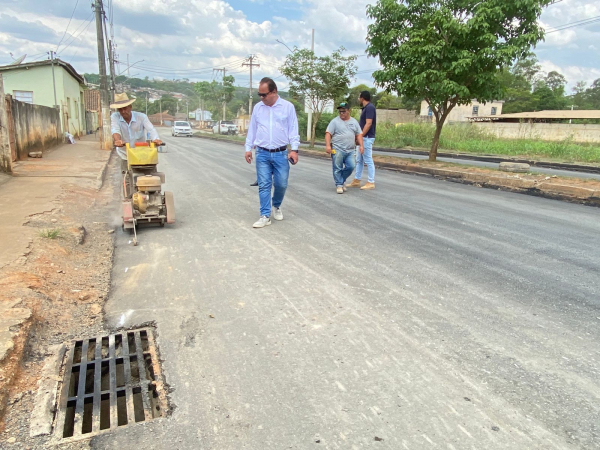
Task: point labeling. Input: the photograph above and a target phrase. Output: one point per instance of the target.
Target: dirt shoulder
(63, 279)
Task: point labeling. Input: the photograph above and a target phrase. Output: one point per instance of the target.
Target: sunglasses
(261, 95)
(342, 111)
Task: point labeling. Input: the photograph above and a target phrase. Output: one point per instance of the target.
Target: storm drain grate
(109, 382)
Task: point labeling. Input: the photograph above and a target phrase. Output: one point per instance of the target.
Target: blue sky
(181, 38)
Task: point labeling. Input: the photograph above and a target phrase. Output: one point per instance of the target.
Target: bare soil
(65, 281)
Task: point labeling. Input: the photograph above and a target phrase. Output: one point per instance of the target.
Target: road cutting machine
(144, 203)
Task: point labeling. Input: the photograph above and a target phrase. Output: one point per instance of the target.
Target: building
(200, 115)
(463, 113)
(34, 83)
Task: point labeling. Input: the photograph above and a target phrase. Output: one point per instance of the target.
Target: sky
(188, 38)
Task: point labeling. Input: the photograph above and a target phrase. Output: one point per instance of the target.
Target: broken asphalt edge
(564, 192)
(102, 175)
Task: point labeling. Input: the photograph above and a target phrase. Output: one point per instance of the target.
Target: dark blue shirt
(368, 112)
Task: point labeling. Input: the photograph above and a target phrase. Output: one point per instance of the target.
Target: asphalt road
(423, 314)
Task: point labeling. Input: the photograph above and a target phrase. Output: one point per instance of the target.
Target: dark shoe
(254, 184)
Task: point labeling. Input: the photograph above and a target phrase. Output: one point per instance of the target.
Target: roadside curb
(487, 158)
(564, 192)
(102, 174)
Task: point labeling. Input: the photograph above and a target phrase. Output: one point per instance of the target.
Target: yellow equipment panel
(142, 156)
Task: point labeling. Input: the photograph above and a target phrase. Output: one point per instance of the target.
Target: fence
(542, 131)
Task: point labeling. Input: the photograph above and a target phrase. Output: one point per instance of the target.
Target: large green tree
(449, 52)
(319, 79)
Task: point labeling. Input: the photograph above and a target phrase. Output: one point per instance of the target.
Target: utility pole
(105, 137)
(571, 120)
(224, 70)
(309, 122)
(251, 64)
(53, 79)
(188, 110)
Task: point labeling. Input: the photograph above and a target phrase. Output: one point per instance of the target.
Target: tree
(352, 96)
(556, 82)
(449, 52)
(319, 79)
(389, 101)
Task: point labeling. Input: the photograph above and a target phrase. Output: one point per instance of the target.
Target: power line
(73, 37)
(66, 29)
(574, 24)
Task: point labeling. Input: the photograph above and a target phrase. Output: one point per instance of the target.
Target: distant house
(463, 113)
(162, 119)
(33, 83)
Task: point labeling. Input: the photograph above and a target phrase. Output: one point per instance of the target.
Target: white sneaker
(277, 214)
(262, 222)
(340, 190)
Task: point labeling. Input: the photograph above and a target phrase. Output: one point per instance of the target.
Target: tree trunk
(436, 139)
(316, 118)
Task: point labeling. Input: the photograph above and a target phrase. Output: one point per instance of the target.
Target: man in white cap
(129, 126)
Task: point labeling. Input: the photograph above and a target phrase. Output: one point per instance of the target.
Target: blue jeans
(343, 165)
(272, 169)
(366, 158)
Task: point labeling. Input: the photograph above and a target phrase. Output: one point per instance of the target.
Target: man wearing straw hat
(129, 126)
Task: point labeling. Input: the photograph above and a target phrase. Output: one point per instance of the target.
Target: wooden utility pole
(105, 136)
(251, 64)
(5, 154)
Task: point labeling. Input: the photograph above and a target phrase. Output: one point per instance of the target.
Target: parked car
(225, 127)
(181, 128)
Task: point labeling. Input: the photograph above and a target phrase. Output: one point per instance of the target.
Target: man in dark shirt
(368, 123)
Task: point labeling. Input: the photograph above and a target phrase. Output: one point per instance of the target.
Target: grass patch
(53, 233)
(470, 139)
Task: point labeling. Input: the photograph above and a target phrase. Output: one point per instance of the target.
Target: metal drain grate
(110, 381)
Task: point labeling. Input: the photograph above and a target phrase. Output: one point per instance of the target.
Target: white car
(225, 127)
(181, 128)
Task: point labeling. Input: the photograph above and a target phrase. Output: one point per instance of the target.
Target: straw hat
(121, 101)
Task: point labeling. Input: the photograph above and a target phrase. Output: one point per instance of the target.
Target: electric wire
(66, 29)
(574, 24)
(73, 37)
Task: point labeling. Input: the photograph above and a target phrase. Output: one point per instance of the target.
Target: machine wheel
(170, 205)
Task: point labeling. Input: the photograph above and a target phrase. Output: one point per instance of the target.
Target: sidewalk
(37, 184)
(35, 188)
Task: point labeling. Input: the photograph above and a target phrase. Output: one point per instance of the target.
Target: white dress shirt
(273, 127)
(134, 131)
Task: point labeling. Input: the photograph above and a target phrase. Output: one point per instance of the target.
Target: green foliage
(449, 52)
(468, 138)
(50, 234)
(318, 79)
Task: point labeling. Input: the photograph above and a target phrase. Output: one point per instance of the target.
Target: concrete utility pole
(224, 70)
(105, 136)
(5, 154)
(53, 79)
(309, 122)
(250, 64)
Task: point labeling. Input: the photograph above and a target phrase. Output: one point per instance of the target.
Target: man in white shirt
(273, 126)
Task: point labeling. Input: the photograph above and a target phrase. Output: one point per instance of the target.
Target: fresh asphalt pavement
(423, 314)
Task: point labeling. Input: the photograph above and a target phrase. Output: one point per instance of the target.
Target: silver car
(181, 128)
